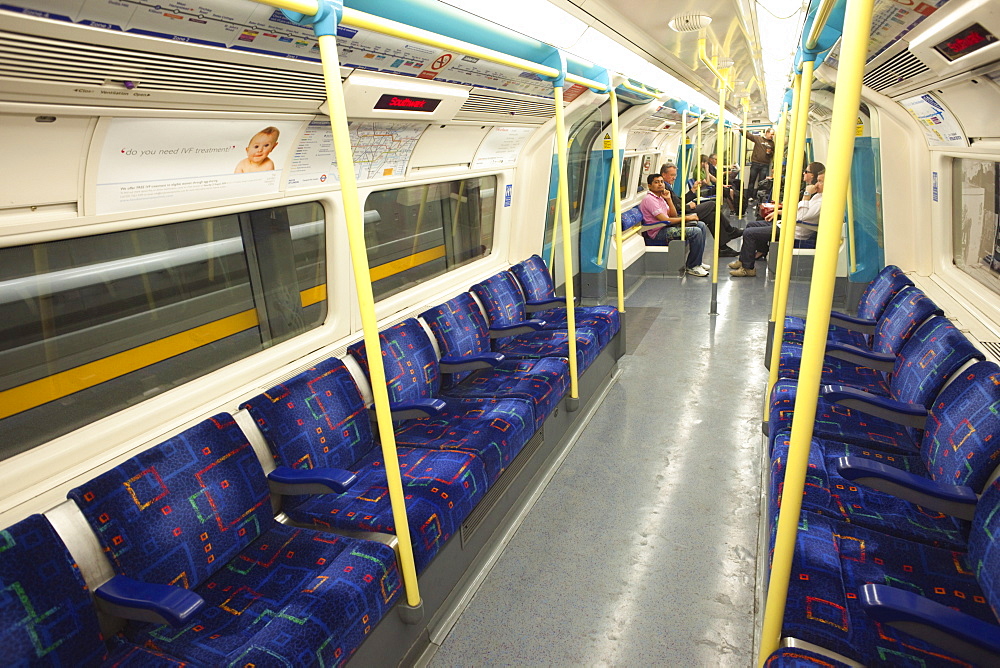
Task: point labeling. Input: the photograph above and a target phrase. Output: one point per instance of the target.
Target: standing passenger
(656, 207)
(760, 159)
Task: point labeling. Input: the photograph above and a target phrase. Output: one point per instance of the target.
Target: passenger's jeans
(695, 236)
(758, 170)
(756, 238)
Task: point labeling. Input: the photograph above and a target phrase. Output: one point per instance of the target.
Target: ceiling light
(689, 22)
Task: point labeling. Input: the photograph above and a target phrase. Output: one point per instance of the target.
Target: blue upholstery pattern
(833, 560)
(318, 419)
(984, 545)
(631, 218)
(873, 301)
(790, 657)
(536, 283)
(961, 446)
(504, 303)
(45, 610)
(935, 352)
(194, 511)
(493, 429)
(460, 328)
(908, 309)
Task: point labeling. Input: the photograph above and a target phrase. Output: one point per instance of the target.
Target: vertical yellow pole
(605, 237)
(743, 158)
(788, 223)
(561, 150)
(853, 50)
(680, 183)
(776, 163)
(852, 250)
(366, 303)
(555, 226)
(616, 173)
(720, 130)
(696, 160)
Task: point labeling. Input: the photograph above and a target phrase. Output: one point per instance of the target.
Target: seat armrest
(121, 596)
(524, 327)
(909, 415)
(422, 408)
(650, 227)
(956, 500)
(853, 354)
(533, 305)
(454, 364)
(972, 639)
(862, 325)
(324, 480)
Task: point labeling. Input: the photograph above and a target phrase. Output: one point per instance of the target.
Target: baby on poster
(260, 146)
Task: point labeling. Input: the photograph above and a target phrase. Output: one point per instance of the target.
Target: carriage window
(626, 173)
(975, 221)
(419, 232)
(89, 326)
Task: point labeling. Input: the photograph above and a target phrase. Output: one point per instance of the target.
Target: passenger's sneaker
(697, 271)
(743, 271)
(706, 267)
(735, 265)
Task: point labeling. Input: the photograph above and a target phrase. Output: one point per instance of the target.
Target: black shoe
(726, 251)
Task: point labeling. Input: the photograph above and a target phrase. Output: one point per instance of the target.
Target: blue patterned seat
(631, 218)
(830, 596)
(195, 512)
(902, 317)
(873, 301)
(961, 446)
(792, 657)
(494, 429)
(536, 284)
(505, 306)
(461, 331)
(318, 420)
(46, 614)
(932, 355)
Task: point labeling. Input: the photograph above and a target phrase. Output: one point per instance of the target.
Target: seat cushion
(840, 423)
(551, 344)
(793, 657)
(827, 493)
(795, 333)
(835, 371)
(440, 488)
(602, 320)
(542, 381)
(494, 430)
(833, 560)
(294, 597)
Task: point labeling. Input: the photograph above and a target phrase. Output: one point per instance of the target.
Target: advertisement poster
(147, 163)
(501, 147)
(941, 128)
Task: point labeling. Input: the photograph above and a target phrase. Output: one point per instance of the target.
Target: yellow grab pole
(563, 214)
(788, 224)
(605, 237)
(788, 194)
(743, 158)
(616, 174)
(698, 154)
(555, 226)
(720, 128)
(680, 183)
(776, 162)
(366, 303)
(850, 229)
(853, 51)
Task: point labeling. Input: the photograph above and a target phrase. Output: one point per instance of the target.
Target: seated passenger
(705, 211)
(657, 207)
(757, 235)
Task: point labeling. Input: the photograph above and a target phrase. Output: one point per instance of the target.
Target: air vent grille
(993, 348)
(484, 103)
(80, 64)
(904, 65)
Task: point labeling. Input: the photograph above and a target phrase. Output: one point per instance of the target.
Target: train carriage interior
(546, 332)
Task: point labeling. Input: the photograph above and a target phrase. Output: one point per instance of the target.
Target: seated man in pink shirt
(656, 207)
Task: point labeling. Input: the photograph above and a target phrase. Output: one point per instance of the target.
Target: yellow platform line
(404, 263)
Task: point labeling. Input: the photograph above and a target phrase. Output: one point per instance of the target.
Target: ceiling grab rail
(853, 52)
(324, 18)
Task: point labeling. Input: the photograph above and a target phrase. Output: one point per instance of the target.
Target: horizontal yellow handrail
(703, 56)
(635, 89)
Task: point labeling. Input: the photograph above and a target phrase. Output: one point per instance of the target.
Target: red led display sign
(407, 103)
(971, 39)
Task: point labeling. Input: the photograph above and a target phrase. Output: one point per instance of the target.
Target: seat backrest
(502, 297)
(536, 282)
(411, 364)
(984, 545)
(179, 511)
(928, 359)
(961, 443)
(907, 311)
(460, 329)
(316, 419)
(631, 218)
(880, 292)
(46, 615)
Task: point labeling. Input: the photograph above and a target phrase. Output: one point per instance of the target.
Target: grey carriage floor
(641, 551)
